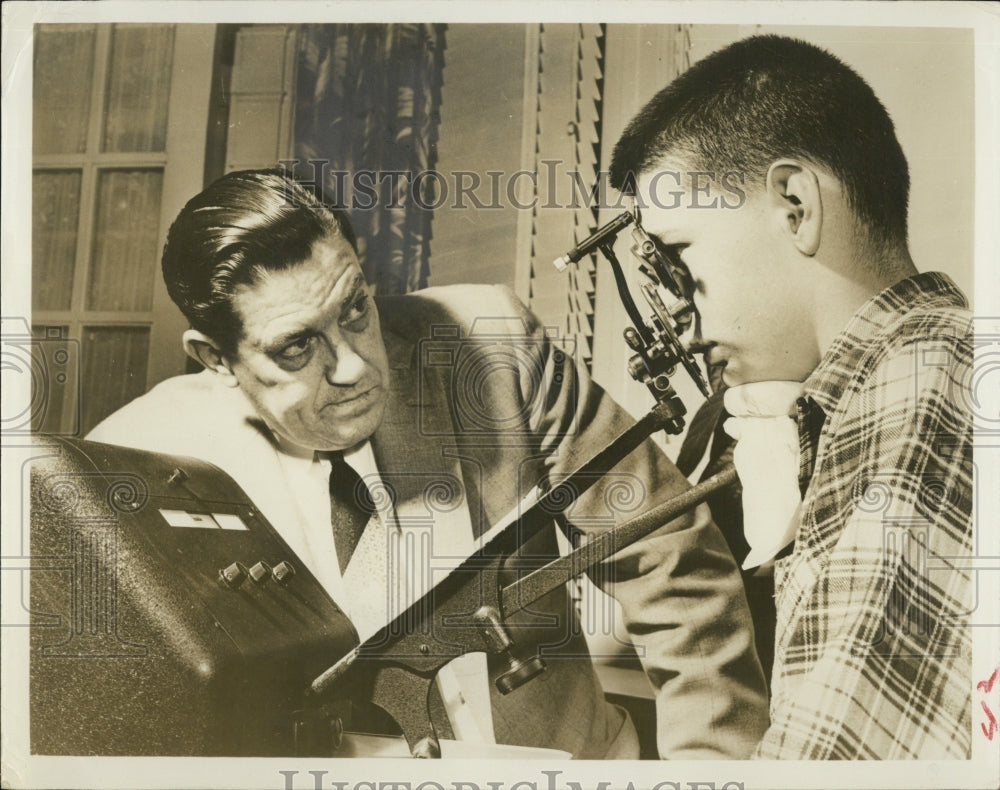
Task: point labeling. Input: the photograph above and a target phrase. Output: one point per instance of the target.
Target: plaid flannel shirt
(873, 650)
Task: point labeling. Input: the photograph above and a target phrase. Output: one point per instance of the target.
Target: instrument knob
(520, 672)
(233, 575)
(637, 368)
(282, 572)
(260, 572)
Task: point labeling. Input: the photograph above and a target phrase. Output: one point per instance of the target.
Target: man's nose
(345, 366)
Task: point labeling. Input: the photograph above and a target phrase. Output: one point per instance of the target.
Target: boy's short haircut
(768, 97)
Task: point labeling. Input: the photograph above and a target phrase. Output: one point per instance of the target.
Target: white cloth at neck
(766, 457)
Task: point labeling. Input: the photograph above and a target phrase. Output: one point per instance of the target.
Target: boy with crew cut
(844, 369)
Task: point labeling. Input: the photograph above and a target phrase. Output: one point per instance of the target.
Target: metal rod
(566, 492)
(555, 501)
(625, 294)
(334, 673)
(543, 580)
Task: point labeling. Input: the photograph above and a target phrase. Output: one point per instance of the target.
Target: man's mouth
(355, 400)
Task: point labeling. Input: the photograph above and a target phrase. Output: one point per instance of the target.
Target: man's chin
(347, 433)
(342, 442)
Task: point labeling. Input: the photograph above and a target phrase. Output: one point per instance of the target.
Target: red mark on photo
(986, 686)
(992, 729)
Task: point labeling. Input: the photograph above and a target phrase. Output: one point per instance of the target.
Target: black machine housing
(168, 616)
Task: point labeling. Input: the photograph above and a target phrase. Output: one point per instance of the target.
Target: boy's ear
(794, 187)
(201, 348)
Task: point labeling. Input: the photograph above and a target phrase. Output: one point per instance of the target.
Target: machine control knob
(261, 572)
(519, 670)
(233, 575)
(283, 572)
(518, 673)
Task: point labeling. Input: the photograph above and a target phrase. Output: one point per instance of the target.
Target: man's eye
(356, 311)
(295, 351)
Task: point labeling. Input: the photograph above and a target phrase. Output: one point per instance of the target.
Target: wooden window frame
(182, 165)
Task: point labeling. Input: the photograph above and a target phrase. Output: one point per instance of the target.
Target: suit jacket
(480, 395)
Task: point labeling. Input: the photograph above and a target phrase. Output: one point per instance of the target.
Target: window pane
(64, 65)
(126, 230)
(53, 363)
(55, 211)
(138, 88)
(114, 370)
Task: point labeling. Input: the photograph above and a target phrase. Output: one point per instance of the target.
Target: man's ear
(201, 348)
(794, 187)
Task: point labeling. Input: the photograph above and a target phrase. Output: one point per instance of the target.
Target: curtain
(366, 105)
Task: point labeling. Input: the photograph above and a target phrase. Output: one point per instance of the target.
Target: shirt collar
(360, 457)
(869, 326)
(289, 448)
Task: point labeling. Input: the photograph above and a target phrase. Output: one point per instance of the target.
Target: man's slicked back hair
(768, 97)
(244, 224)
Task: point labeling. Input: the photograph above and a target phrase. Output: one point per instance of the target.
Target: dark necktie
(705, 429)
(810, 418)
(700, 432)
(351, 508)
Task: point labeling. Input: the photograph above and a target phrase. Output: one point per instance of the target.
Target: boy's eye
(679, 270)
(670, 256)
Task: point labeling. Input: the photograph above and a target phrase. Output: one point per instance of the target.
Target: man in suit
(308, 382)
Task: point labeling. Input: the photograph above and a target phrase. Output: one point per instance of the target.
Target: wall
(482, 116)
(186, 151)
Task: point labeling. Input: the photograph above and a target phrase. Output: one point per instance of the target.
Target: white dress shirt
(390, 569)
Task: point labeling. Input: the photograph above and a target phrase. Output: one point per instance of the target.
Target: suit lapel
(431, 502)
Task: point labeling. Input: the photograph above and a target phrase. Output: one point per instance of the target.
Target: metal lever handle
(545, 579)
(519, 671)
